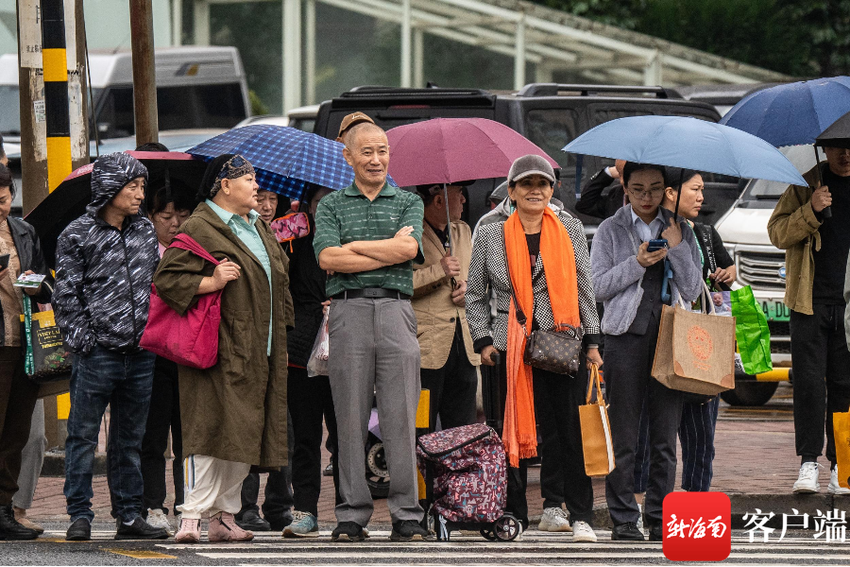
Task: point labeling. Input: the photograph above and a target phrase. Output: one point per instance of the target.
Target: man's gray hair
(352, 132)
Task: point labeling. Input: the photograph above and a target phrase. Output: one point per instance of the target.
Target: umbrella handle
(827, 212)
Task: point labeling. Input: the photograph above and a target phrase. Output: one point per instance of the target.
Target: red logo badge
(697, 526)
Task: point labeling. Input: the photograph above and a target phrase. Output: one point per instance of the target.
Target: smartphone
(656, 244)
(4, 261)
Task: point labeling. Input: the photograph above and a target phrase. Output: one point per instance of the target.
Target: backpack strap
(186, 242)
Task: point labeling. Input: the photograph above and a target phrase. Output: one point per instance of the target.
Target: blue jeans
(124, 381)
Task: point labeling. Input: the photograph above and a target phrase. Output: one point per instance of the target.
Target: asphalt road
(536, 548)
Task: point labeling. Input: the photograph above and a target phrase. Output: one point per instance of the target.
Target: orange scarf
(556, 251)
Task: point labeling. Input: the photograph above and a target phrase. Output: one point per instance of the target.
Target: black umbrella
(69, 200)
(837, 135)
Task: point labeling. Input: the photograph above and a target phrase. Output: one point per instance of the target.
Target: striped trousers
(696, 434)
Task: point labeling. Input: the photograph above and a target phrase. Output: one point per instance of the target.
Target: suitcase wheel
(507, 528)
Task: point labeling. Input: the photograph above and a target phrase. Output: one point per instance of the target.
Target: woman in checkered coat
(543, 256)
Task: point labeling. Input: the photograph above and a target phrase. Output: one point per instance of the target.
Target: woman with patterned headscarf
(233, 414)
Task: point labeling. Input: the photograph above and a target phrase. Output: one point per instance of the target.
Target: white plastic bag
(318, 363)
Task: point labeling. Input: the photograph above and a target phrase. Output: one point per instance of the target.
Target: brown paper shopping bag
(596, 430)
(841, 428)
(695, 351)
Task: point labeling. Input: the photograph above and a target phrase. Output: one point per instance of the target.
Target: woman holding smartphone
(630, 279)
(20, 248)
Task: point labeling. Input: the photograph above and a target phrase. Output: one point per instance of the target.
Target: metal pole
(55, 61)
(177, 22)
(310, 51)
(291, 27)
(144, 72)
(418, 58)
(405, 44)
(519, 55)
(30, 79)
(201, 22)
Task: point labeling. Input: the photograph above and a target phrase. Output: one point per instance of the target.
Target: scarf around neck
(556, 252)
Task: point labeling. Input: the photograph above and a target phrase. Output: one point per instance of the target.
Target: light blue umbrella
(681, 141)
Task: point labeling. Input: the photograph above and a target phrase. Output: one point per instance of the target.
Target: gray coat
(617, 276)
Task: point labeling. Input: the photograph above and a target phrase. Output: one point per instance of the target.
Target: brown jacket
(235, 410)
(436, 314)
(793, 227)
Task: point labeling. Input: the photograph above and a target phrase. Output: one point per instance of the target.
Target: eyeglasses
(649, 194)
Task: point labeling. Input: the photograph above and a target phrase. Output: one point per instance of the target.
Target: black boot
(10, 529)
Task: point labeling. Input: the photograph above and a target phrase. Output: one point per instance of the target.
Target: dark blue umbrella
(681, 141)
(286, 159)
(792, 114)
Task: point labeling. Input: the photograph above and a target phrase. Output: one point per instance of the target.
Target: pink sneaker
(190, 531)
(223, 527)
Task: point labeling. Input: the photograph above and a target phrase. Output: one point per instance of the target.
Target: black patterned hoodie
(103, 275)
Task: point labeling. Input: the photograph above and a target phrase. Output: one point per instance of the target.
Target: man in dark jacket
(603, 194)
(105, 263)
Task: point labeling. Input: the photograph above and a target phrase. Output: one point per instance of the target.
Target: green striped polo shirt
(348, 215)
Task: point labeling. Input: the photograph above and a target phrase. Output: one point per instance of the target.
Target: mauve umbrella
(448, 150)
(451, 150)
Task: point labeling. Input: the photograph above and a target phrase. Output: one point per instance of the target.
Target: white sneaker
(158, 519)
(554, 520)
(834, 487)
(583, 533)
(807, 482)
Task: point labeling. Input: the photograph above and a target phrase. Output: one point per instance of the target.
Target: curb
(743, 504)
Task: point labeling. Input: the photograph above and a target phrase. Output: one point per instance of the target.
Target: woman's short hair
(6, 179)
(632, 167)
(177, 192)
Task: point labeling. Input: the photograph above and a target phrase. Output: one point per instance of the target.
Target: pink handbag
(190, 339)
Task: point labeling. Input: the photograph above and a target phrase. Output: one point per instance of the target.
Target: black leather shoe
(277, 524)
(656, 532)
(627, 532)
(348, 531)
(252, 521)
(139, 529)
(80, 530)
(10, 529)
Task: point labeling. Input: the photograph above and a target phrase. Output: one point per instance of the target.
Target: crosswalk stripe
(523, 557)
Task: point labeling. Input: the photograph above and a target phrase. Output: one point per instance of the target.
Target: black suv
(550, 115)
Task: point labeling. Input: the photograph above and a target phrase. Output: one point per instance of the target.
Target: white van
(762, 266)
(197, 87)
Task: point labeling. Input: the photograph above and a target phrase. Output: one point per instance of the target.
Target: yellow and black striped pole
(55, 91)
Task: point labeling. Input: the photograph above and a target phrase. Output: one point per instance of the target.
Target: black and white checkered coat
(488, 269)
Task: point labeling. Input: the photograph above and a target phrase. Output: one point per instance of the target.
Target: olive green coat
(235, 410)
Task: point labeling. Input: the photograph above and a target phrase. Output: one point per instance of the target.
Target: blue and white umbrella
(286, 159)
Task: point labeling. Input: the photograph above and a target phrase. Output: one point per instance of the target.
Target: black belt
(371, 293)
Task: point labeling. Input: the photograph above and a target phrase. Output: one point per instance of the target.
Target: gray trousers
(32, 457)
(374, 351)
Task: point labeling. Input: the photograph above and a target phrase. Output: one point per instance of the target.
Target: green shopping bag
(751, 331)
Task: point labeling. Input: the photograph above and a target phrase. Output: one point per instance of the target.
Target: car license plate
(775, 310)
